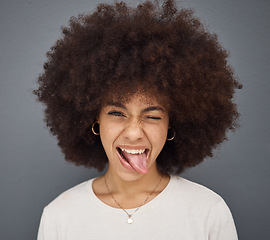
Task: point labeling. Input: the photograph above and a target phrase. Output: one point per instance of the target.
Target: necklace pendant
(130, 220)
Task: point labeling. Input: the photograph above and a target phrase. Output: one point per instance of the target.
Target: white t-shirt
(183, 210)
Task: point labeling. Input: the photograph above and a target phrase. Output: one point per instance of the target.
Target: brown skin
(130, 196)
(140, 123)
(106, 55)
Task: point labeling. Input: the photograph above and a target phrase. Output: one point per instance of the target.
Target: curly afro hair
(119, 50)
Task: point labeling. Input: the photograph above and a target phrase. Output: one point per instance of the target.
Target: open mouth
(136, 158)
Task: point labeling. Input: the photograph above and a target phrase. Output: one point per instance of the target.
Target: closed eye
(154, 118)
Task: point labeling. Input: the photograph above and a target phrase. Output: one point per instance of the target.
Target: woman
(148, 92)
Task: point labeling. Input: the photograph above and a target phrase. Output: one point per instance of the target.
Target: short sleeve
(47, 229)
(221, 224)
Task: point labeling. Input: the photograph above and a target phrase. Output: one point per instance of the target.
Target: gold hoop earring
(93, 128)
(173, 135)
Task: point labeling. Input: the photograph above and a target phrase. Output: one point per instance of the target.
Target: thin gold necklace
(130, 220)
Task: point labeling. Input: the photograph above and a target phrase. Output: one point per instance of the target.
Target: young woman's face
(133, 134)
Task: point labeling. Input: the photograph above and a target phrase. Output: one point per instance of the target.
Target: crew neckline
(103, 205)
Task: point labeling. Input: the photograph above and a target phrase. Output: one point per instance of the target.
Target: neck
(143, 183)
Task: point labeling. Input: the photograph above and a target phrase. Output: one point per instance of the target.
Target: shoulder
(201, 204)
(71, 198)
(199, 201)
(193, 193)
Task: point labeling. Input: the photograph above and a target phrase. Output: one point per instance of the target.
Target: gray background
(32, 168)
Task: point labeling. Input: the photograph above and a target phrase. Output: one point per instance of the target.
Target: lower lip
(124, 163)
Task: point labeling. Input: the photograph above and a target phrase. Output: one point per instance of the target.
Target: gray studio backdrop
(32, 168)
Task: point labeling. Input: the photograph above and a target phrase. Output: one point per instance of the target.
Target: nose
(133, 130)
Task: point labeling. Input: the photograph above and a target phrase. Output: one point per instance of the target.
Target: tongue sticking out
(137, 161)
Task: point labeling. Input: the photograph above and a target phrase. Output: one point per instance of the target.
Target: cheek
(158, 136)
(108, 133)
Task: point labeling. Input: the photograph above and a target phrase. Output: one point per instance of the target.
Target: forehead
(135, 99)
(147, 96)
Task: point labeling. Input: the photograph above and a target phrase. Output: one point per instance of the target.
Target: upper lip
(130, 147)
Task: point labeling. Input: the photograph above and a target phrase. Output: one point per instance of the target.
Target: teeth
(133, 151)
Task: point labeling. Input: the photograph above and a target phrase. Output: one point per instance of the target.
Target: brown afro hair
(160, 50)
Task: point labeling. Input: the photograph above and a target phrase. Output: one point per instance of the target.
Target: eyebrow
(148, 109)
(153, 108)
(116, 104)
